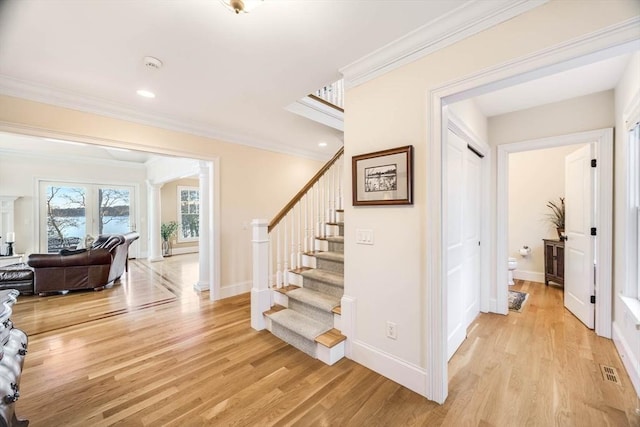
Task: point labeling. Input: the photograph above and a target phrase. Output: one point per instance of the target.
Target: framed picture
(383, 178)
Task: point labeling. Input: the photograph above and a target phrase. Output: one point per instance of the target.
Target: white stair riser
(330, 355)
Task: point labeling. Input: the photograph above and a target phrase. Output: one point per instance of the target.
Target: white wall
(19, 175)
(625, 335)
(391, 111)
(535, 178)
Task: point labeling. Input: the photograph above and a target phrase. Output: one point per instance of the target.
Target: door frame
(601, 44)
(603, 141)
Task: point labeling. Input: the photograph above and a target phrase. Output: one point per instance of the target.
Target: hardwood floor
(152, 352)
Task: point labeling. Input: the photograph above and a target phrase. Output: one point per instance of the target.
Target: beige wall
(392, 111)
(253, 183)
(169, 201)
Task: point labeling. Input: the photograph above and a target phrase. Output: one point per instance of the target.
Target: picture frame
(383, 177)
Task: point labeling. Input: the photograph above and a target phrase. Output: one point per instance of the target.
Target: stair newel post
(260, 292)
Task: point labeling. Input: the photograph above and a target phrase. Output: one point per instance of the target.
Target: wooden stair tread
(276, 308)
(337, 310)
(335, 223)
(285, 289)
(300, 270)
(339, 210)
(331, 338)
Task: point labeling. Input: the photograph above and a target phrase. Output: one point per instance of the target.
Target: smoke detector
(152, 62)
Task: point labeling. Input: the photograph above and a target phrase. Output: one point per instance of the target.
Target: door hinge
(594, 163)
(593, 231)
(593, 299)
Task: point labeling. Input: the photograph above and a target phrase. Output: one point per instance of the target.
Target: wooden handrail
(325, 102)
(304, 190)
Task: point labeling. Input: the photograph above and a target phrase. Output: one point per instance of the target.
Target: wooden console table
(553, 261)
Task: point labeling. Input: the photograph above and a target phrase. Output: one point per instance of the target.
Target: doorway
(602, 141)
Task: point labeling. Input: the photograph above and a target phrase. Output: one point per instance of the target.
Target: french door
(72, 213)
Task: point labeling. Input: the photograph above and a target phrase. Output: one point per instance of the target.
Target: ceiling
(224, 75)
(592, 78)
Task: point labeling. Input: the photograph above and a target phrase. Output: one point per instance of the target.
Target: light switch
(364, 236)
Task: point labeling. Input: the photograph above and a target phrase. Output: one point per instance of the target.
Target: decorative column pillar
(155, 246)
(204, 238)
(260, 293)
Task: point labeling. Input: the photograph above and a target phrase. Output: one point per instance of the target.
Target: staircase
(307, 311)
(298, 268)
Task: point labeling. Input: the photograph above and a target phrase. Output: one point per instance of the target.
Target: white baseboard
(629, 361)
(404, 373)
(186, 250)
(235, 289)
(530, 276)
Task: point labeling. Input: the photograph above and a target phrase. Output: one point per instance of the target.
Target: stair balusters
(293, 231)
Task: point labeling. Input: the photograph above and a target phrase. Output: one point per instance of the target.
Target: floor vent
(610, 374)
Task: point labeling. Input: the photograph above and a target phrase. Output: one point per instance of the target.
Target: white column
(260, 292)
(204, 260)
(155, 248)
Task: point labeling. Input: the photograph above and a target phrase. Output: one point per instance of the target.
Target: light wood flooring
(152, 352)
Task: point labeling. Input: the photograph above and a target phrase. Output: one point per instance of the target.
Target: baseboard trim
(530, 276)
(628, 359)
(235, 289)
(182, 251)
(404, 373)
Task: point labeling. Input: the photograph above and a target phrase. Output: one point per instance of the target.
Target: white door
(579, 246)
(462, 212)
(471, 232)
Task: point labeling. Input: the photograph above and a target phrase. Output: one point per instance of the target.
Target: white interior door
(579, 246)
(456, 330)
(462, 210)
(471, 232)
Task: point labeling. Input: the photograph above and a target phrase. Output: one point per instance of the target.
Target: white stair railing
(279, 245)
(332, 94)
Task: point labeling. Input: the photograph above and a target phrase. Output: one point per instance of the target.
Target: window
(72, 211)
(188, 214)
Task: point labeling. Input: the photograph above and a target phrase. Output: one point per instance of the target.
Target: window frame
(180, 189)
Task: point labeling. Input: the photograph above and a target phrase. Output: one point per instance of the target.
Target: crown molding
(31, 91)
(465, 21)
(63, 157)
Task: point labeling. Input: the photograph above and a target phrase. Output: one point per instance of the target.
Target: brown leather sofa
(118, 245)
(101, 265)
(70, 270)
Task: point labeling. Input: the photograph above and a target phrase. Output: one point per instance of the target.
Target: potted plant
(556, 217)
(167, 231)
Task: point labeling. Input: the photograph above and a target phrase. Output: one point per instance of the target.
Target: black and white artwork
(381, 178)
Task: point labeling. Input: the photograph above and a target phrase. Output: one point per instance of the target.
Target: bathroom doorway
(602, 142)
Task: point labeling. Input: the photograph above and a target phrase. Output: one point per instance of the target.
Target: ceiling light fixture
(146, 93)
(243, 6)
(322, 144)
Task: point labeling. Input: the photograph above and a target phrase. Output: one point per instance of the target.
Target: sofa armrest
(92, 257)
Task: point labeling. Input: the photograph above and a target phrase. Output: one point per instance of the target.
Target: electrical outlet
(392, 330)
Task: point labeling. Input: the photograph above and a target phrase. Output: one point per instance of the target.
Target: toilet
(513, 264)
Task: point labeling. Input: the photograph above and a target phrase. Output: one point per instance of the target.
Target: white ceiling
(224, 74)
(580, 81)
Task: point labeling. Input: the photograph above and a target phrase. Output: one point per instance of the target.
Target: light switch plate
(364, 236)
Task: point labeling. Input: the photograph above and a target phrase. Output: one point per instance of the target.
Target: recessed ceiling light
(322, 144)
(146, 93)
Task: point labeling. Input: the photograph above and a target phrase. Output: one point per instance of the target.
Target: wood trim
(325, 102)
(304, 190)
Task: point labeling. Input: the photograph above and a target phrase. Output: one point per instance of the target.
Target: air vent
(610, 374)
